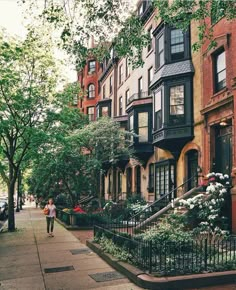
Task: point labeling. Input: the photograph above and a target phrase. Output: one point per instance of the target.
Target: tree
(115, 23)
(28, 82)
(77, 160)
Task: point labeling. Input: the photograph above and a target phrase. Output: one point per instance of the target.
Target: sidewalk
(30, 260)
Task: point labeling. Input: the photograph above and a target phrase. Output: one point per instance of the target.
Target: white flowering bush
(205, 210)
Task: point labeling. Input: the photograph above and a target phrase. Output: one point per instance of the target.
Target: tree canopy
(116, 23)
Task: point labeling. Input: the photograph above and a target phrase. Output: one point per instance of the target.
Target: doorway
(192, 165)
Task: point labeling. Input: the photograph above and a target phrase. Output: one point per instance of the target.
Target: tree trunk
(11, 191)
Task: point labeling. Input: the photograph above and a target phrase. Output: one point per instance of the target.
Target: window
(158, 111)
(90, 112)
(150, 42)
(143, 126)
(150, 77)
(111, 84)
(110, 183)
(120, 105)
(220, 71)
(177, 104)
(129, 181)
(91, 66)
(131, 127)
(105, 111)
(119, 182)
(151, 178)
(104, 91)
(127, 67)
(120, 74)
(160, 51)
(126, 97)
(177, 44)
(141, 8)
(164, 178)
(140, 86)
(91, 91)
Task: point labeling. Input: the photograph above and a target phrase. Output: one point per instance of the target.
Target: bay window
(177, 104)
(143, 126)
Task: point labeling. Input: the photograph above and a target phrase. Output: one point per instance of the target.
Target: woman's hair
(51, 200)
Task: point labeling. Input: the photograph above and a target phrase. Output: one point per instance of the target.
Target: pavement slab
(27, 252)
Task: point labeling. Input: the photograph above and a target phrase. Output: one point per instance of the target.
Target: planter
(73, 220)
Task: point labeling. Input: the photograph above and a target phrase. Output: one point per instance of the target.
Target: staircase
(166, 204)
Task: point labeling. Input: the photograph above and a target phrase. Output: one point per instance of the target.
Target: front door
(138, 179)
(223, 150)
(192, 164)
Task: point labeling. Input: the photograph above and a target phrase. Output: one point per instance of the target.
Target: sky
(11, 19)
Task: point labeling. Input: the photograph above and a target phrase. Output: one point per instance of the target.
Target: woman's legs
(48, 223)
(52, 224)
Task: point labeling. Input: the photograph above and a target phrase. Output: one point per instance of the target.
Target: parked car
(3, 209)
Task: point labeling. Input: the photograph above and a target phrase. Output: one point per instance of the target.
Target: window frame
(91, 69)
(91, 91)
(120, 105)
(158, 114)
(140, 86)
(127, 68)
(121, 74)
(179, 55)
(104, 91)
(177, 119)
(151, 177)
(146, 126)
(150, 45)
(93, 115)
(218, 88)
(150, 79)
(111, 84)
(159, 52)
(127, 95)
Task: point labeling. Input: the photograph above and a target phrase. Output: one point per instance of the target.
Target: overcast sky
(11, 18)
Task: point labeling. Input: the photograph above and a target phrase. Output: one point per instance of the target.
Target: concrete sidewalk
(29, 259)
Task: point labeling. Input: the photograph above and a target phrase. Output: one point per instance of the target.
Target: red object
(78, 209)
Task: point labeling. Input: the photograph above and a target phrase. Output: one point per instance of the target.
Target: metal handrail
(162, 197)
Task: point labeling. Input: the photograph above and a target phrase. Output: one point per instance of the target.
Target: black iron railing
(142, 220)
(174, 258)
(137, 96)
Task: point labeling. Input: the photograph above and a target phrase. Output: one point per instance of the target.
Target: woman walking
(51, 208)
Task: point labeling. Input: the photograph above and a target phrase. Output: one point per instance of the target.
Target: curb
(73, 228)
(147, 281)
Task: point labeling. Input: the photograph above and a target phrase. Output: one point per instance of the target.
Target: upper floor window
(150, 42)
(126, 97)
(158, 110)
(131, 126)
(141, 8)
(150, 77)
(105, 111)
(121, 74)
(91, 66)
(220, 71)
(140, 85)
(177, 44)
(177, 104)
(160, 51)
(90, 112)
(111, 84)
(127, 67)
(143, 126)
(120, 105)
(104, 91)
(91, 91)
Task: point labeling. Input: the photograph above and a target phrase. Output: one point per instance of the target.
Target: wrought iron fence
(142, 220)
(175, 258)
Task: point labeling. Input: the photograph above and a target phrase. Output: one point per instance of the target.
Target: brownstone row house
(179, 103)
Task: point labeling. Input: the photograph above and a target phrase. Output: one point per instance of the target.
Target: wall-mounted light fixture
(223, 123)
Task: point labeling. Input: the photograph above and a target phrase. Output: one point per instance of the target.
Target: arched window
(91, 91)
